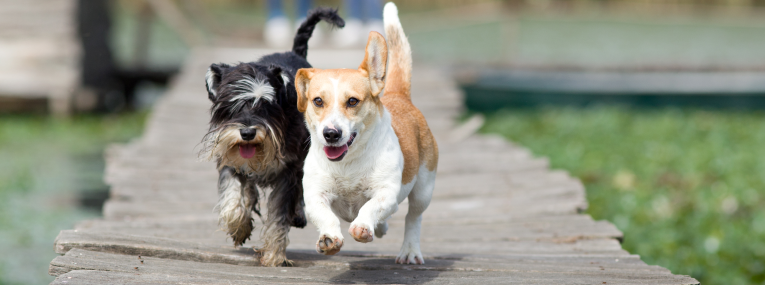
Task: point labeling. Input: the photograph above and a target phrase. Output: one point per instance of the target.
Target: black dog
(259, 140)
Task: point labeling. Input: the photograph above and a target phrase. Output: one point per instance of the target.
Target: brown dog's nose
(247, 134)
(332, 135)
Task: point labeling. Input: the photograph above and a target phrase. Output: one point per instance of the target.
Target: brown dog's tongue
(247, 150)
(335, 151)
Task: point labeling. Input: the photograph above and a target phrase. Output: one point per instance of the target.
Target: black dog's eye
(352, 102)
(317, 101)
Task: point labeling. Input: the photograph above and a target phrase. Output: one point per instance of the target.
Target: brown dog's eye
(317, 101)
(352, 102)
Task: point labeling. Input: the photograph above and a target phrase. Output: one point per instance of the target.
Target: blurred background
(656, 105)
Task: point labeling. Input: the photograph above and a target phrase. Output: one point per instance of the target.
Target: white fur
(209, 80)
(365, 187)
(399, 52)
(336, 119)
(285, 78)
(419, 199)
(390, 13)
(335, 82)
(232, 205)
(252, 90)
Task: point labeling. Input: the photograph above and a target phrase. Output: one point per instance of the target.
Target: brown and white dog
(370, 149)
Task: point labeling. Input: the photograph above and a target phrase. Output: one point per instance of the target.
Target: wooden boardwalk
(498, 214)
(39, 55)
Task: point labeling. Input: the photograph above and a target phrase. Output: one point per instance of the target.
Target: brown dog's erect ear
(302, 78)
(375, 61)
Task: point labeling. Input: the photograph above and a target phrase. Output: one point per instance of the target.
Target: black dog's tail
(300, 46)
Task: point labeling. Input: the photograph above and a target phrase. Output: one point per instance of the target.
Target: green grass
(687, 187)
(45, 163)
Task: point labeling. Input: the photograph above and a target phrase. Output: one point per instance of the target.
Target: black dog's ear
(278, 76)
(280, 80)
(213, 78)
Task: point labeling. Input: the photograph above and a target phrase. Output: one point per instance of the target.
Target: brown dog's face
(340, 104)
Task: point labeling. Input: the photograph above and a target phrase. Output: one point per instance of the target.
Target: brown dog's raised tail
(399, 74)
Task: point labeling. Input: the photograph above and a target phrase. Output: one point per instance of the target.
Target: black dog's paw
(241, 234)
(299, 220)
(297, 217)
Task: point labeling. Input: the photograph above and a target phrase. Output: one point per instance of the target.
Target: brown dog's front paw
(328, 245)
(361, 233)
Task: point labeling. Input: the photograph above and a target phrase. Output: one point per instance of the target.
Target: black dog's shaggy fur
(255, 107)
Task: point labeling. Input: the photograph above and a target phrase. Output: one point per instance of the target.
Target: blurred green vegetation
(631, 34)
(47, 163)
(687, 187)
(590, 41)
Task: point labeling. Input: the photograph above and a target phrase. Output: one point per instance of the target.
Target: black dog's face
(247, 116)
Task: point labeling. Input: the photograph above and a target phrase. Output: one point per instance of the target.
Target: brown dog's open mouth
(336, 153)
(247, 151)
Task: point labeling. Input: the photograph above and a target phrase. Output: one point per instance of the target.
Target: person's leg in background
(302, 9)
(373, 16)
(277, 32)
(303, 6)
(352, 35)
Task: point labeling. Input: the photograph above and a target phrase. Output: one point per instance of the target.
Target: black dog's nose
(247, 134)
(332, 135)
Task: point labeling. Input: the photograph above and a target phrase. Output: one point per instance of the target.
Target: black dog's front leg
(237, 198)
(285, 209)
(297, 213)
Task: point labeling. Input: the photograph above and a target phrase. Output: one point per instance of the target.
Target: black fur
(300, 45)
(223, 82)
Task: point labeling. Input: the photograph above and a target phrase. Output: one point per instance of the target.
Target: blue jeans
(275, 8)
(364, 10)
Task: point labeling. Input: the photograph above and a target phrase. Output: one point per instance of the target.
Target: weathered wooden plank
(77, 259)
(522, 204)
(355, 269)
(89, 260)
(116, 209)
(205, 244)
(369, 276)
(165, 185)
(471, 166)
(98, 277)
(152, 246)
(557, 229)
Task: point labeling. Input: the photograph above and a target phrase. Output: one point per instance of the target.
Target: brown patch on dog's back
(417, 142)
